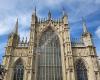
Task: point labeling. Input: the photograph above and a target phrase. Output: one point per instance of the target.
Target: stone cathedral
(50, 53)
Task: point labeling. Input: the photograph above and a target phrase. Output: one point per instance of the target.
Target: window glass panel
(81, 71)
(18, 71)
(50, 57)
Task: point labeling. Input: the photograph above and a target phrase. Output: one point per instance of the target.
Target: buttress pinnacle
(16, 27)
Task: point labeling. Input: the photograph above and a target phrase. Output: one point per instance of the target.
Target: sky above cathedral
(10, 10)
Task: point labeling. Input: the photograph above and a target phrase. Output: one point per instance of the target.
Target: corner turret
(49, 15)
(65, 18)
(13, 38)
(34, 17)
(86, 36)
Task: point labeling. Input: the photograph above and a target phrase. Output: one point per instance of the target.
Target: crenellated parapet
(45, 20)
(23, 43)
(45, 23)
(77, 42)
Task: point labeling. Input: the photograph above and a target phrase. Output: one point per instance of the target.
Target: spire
(34, 11)
(49, 15)
(64, 12)
(64, 17)
(16, 27)
(86, 36)
(34, 16)
(84, 26)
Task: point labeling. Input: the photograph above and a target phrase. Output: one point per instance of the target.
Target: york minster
(50, 53)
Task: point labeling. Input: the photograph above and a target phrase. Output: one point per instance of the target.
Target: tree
(2, 72)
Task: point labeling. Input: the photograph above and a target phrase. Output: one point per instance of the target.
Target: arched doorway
(81, 70)
(49, 61)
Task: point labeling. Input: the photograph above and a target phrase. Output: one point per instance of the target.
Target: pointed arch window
(18, 70)
(49, 61)
(81, 70)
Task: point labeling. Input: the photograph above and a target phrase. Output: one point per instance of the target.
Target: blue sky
(75, 9)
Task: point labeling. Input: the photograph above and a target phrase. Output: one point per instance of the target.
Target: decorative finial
(23, 40)
(26, 40)
(65, 17)
(35, 10)
(84, 26)
(16, 27)
(49, 15)
(63, 11)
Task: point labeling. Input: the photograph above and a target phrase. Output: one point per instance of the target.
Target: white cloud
(24, 19)
(2, 50)
(2, 45)
(97, 1)
(51, 3)
(3, 30)
(98, 32)
(7, 25)
(84, 7)
(24, 34)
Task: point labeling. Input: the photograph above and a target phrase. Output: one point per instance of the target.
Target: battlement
(46, 20)
(77, 42)
(63, 19)
(23, 43)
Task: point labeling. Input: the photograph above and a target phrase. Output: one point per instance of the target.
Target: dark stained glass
(18, 71)
(81, 70)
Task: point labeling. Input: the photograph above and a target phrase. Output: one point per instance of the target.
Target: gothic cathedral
(50, 53)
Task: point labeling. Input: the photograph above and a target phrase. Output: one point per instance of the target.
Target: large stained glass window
(18, 71)
(81, 70)
(49, 61)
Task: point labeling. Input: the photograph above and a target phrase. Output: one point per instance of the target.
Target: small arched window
(81, 70)
(18, 70)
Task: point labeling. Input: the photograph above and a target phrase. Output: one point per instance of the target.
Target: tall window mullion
(18, 71)
(81, 70)
(52, 60)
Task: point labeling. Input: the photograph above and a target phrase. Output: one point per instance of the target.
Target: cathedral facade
(50, 53)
